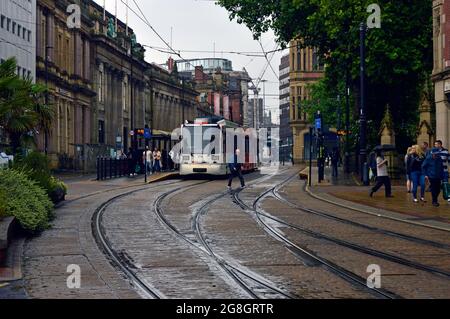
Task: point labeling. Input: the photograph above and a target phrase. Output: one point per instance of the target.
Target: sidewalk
(345, 192)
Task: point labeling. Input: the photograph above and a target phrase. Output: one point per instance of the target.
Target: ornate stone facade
(101, 87)
(305, 68)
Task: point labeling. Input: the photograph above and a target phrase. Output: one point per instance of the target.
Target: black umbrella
(385, 148)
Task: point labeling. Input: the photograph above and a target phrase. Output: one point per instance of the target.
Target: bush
(2, 204)
(26, 201)
(37, 167)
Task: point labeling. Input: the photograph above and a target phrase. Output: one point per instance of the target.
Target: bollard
(98, 168)
(104, 168)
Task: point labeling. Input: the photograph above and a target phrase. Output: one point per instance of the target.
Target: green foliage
(26, 201)
(398, 58)
(21, 109)
(3, 204)
(37, 167)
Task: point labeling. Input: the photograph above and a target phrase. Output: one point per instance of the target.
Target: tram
(205, 154)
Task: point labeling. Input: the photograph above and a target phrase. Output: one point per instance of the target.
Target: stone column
(78, 54)
(87, 67)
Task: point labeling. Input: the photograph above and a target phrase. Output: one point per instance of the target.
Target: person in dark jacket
(235, 169)
(335, 161)
(414, 170)
(433, 170)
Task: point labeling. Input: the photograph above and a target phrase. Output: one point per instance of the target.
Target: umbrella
(385, 148)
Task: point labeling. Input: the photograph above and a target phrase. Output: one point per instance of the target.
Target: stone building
(223, 91)
(102, 88)
(67, 54)
(426, 128)
(18, 38)
(305, 69)
(285, 130)
(18, 34)
(441, 70)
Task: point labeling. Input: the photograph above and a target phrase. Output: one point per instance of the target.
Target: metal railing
(109, 168)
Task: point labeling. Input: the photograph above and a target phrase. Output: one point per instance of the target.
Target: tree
(22, 112)
(399, 55)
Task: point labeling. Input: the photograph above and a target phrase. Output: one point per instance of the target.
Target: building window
(8, 24)
(2, 21)
(19, 30)
(101, 132)
(29, 36)
(14, 28)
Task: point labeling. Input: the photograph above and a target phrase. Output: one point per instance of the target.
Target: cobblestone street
(182, 238)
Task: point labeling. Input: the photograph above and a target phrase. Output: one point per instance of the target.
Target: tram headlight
(186, 159)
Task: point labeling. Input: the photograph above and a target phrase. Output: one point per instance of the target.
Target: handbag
(446, 190)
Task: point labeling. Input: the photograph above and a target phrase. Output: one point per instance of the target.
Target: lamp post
(362, 115)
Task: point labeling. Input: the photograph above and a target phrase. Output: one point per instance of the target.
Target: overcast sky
(199, 25)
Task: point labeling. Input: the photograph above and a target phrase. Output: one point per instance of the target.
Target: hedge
(25, 200)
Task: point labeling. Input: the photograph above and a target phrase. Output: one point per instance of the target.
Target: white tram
(195, 160)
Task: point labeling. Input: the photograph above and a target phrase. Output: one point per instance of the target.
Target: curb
(367, 212)
(163, 178)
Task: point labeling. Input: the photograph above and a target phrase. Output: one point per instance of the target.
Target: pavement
(347, 191)
(69, 241)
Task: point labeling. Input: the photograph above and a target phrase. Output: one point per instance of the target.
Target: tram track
(302, 252)
(326, 215)
(117, 258)
(235, 272)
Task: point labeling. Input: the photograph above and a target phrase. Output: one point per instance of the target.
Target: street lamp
(362, 115)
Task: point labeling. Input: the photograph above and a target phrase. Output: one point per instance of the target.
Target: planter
(6, 232)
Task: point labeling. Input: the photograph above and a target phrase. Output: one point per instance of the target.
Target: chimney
(199, 75)
(170, 64)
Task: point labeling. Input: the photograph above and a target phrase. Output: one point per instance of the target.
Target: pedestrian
(156, 160)
(445, 159)
(382, 176)
(408, 175)
(433, 170)
(335, 160)
(426, 148)
(131, 165)
(414, 170)
(148, 158)
(235, 169)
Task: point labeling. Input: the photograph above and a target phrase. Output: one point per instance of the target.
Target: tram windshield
(196, 140)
